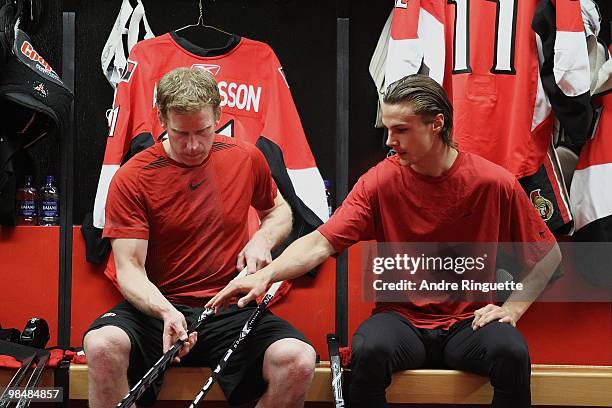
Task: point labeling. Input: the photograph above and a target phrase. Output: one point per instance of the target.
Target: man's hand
(256, 253)
(175, 328)
(253, 285)
(491, 312)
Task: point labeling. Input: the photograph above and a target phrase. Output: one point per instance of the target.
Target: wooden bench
(550, 385)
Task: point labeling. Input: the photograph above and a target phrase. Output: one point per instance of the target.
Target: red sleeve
(126, 214)
(353, 221)
(264, 188)
(528, 229)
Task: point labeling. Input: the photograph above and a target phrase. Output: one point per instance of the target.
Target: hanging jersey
(592, 199)
(255, 101)
(591, 194)
(485, 54)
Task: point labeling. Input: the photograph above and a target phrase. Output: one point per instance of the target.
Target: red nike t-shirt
(194, 218)
(474, 201)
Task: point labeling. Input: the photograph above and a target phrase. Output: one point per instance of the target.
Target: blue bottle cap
(50, 179)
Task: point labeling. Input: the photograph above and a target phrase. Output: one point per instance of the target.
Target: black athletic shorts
(241, 380)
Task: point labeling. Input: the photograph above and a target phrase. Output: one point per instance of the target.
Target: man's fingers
(245, 300)
(477, 316)
(211, 303)
(220, 297)
(496, 314)
(475, 323)
(188, 344)
(215, 300)
(182, 334)
(240, 262)
(251, 266)
(487, 319)
(262, 263)
(487, 309)
(481, 315)
(166, 343)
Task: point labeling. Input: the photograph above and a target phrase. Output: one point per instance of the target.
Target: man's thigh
(389, 337)
(474, 351)
(242, 379)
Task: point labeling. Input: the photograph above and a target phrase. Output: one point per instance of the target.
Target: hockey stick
(336, 369)
(24, 401)
(160, 366)
(164, 361)
(5, 399)
(248, 326)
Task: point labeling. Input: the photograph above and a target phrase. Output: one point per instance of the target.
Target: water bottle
(49, 204)
(330, 197)
(26, 198)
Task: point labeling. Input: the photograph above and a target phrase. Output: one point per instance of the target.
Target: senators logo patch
(129, 70)
(542, 205)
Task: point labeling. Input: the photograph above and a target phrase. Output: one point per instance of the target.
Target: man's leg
(121, 344)
(499, 351)
(383, 344)
(108, 356)
(288, 368)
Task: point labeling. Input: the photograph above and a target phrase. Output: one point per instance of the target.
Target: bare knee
(290, 360)
(107, 349)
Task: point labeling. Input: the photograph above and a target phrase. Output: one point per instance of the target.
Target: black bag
(37, 104)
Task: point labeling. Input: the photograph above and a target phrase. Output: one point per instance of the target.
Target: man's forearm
(534, 283)
(276, 225)
(141, 293)
(300, 257)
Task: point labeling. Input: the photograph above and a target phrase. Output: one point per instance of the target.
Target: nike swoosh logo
(192, 186)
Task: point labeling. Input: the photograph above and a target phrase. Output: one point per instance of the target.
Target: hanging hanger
(200, 22)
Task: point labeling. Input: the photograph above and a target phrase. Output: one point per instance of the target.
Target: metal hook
(201, 17)
(201, 22)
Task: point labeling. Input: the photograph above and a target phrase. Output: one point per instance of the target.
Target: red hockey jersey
(591, 191)
(485, 54)
(255, 101)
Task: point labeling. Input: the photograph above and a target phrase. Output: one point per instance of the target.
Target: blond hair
(185, 90)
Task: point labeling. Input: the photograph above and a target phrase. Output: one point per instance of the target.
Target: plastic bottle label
(49, 209)
(27, 208)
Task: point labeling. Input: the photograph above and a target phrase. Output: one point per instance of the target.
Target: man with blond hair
(176, 215)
